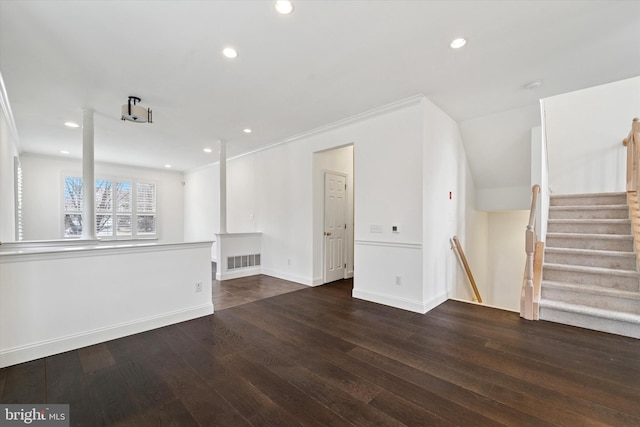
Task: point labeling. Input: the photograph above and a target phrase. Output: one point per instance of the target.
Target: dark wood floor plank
(274, 416)
(285, 395)
(475, 402)
(537, 347)
(246, 399)
(313, 385)
(331, 373)
(205, 403)
(316, 356)
(528, 396)
(65, 384)
(95, 357)
(170, 414)
(407, 412)
(25, 383)
(562, 380)
(111, 399)
(504, 321)
(214, 335)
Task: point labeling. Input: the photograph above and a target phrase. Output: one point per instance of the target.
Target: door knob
(327, 233)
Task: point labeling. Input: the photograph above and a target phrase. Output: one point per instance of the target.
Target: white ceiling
(327, 61)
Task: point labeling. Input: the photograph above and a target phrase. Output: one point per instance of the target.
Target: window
(119, 204)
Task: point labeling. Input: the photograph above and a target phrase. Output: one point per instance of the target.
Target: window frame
(114, 212)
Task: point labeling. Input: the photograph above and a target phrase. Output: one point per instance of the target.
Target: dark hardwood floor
(318, 357)
(234, 292)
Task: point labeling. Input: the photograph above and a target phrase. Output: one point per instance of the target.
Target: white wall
(506, 258)
(407, 157)
(389, 191)
(444, 203)
(202, 206)
(42, 195)
(8, 151)
(584, 131)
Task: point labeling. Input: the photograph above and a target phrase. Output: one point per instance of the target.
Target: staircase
(590, 277)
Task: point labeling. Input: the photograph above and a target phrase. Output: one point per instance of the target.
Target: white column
(223, 187)
(88, 177)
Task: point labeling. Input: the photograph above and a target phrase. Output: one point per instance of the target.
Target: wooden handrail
(467, 269)
(633, 153)
(530, 295)
(632, 142)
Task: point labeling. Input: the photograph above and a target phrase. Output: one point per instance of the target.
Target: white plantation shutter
(18, 202)
(72, 206)
(124, 208)
(116, 207)
(146, 208)
(104, 207)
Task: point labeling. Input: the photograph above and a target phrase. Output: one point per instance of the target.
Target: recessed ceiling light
(207, 150)
(458, 43)
(533, 85)
(71, 125)
(64, 152)
(247, 130)
(167, 166)
(230, 52)
(284, 7)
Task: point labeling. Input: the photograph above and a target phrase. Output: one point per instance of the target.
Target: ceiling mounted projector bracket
(135, 113)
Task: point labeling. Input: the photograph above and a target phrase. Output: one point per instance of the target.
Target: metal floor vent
(242, 261)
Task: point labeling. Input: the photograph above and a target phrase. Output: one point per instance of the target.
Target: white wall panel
(43, 181)
(584, 131)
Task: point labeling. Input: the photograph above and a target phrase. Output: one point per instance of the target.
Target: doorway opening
(333, 208)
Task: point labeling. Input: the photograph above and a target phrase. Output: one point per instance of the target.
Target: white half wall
(584, 131)
(43, 193)
(52, 300)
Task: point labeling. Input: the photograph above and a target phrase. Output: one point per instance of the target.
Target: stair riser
(589, 214)
(590, 322)
(589, 200)
(602, 279)
(594, 244)
(596, 260)
(598, 301)
(589, 228)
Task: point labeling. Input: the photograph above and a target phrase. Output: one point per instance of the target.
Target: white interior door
(335, 224)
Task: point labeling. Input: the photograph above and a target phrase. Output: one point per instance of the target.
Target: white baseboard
(50, 347)
(244, 272)
(403, 303)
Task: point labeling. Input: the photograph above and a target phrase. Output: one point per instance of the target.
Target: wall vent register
(243, 261)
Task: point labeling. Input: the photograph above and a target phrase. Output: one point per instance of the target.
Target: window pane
(123, 197)
(124, 225)
(72, 225)
(146, 224)
(146, 197)
(72, 194)
(104, 225)
(104, 197)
